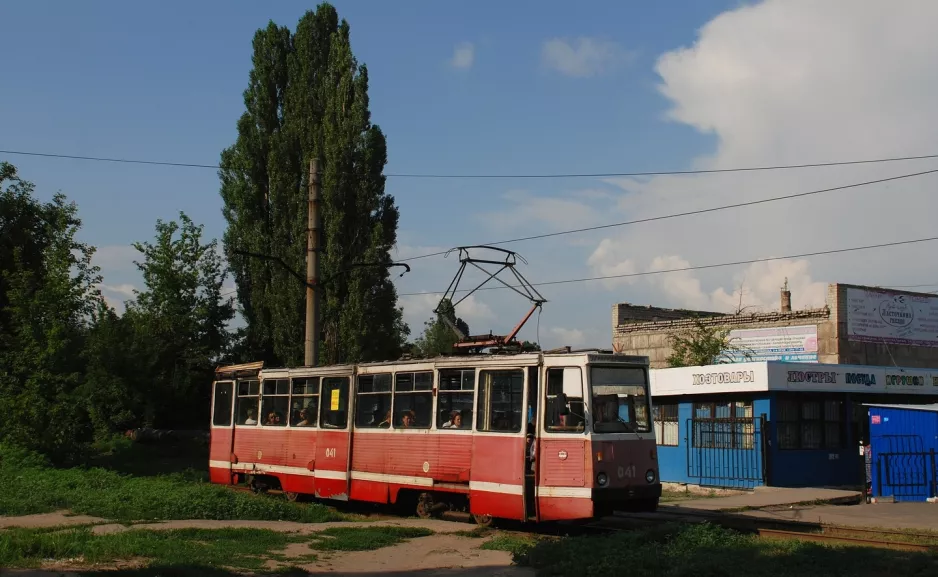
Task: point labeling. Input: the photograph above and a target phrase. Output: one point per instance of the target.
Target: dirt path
(443, 554)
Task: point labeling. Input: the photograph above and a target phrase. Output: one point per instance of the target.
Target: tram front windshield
(619, 400)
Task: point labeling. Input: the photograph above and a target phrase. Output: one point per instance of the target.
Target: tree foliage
(703, 344)
(47, 296)
(307, 97)
(70, 366)
(438, 337)
(180, 317)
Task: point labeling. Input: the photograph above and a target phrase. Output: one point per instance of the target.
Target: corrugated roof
(933, 407)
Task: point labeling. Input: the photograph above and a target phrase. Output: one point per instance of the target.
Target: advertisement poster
(788, 344)
(880, 317)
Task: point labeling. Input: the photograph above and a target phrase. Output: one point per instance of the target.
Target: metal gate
(726, 452)
(904, 469)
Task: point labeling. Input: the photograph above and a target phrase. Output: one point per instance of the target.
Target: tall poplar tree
(308, 97)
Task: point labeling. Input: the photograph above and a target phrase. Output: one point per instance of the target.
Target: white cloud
(612, 258)
(125, 290)
(567, 337)
(463, 55)
(583, 57)
(116, 295)
(418, 308)
(787, 82)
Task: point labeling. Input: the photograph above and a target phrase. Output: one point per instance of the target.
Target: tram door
(222, 432)
(531, 442)
(497, 474)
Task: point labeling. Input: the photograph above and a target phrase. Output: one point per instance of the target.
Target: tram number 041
(627, 472)
(330, 453)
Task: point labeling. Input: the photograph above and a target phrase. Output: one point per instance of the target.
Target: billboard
(884, 317)
(787, 344)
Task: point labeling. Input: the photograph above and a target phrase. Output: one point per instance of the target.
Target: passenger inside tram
(304, 420)
(408, 419)
(455, 421)
(386, 423)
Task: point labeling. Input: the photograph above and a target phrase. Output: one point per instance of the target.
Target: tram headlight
(602, 480)
(650, 476)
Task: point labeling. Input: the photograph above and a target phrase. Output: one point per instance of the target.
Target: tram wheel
(483, 520)
(425, 505)
(291, 496)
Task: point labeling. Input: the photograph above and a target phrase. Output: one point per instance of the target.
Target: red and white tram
(528, 436)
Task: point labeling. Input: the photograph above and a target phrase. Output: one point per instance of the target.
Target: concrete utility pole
(312, 268)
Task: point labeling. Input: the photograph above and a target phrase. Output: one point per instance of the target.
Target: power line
(699, 267)
(495, 176)
(690, 213)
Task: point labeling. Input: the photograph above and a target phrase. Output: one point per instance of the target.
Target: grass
(672, 496)
(30, 486)
(703, 550)
(236, 548)
(514, 543)
(178, 551)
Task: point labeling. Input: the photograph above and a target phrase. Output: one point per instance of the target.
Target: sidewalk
(763, 497)
(914, 516)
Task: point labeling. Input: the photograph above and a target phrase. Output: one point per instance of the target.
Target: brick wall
(641, 330)
(624, 313)
(651, 338)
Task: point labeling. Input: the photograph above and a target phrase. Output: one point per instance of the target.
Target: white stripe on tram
(484, 486)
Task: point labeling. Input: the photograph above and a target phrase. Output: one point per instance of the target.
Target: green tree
(703, 344)
(47, 294)
(438, 337)
(112, 393)
(528, 346)
(307, 97)
(179, 322)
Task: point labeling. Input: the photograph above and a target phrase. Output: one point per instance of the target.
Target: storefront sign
(892, 318)
(812, 377)
(906, 379)
(724, 377)
(796, 377)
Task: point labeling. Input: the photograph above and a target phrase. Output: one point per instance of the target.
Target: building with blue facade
(902, 451)
(774, 423)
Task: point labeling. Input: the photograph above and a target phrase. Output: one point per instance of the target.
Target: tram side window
(304, 402)
(374, 401)
(566, 409)
(500, 407)
(221, 416)
(335, 396)
(275, 402)
(246, 407)
(455, 399)
(413, 398)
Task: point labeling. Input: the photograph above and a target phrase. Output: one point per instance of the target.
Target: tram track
(782, 529)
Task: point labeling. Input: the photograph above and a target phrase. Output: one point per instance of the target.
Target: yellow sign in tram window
(335, 400)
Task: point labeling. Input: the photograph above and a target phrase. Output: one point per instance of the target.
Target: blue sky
(491, 87)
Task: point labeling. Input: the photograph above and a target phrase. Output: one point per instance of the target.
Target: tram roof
(494, 360)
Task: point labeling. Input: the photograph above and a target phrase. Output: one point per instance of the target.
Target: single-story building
(774, 423)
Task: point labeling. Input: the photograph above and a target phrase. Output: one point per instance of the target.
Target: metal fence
(726, 452)
(905, 469)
